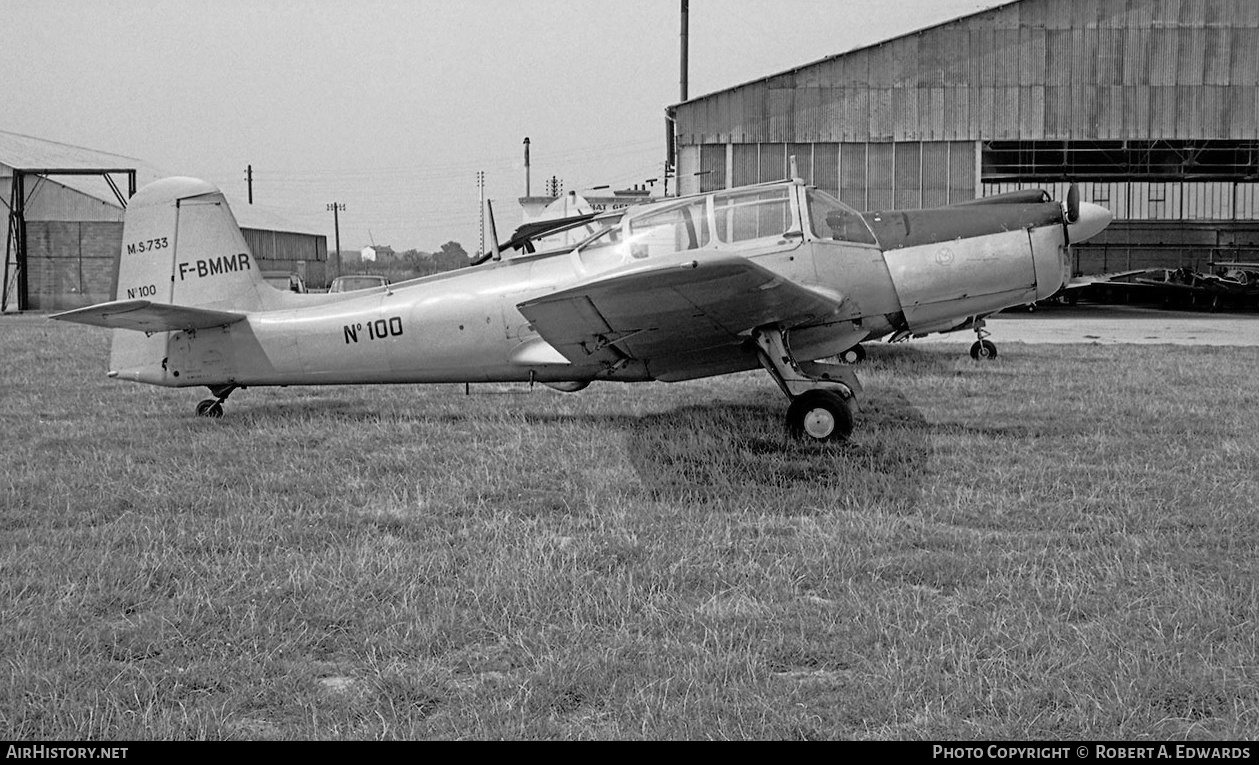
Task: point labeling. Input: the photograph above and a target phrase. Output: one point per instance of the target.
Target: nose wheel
(983, 348)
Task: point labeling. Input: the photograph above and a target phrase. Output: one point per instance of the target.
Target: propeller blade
(1073, 203)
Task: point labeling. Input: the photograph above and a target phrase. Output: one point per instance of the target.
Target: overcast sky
(392, 107)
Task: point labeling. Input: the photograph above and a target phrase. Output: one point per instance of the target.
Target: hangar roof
(27, 153)
(988, 6)
(23, 152)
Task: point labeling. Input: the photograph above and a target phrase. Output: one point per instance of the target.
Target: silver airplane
(780, 275)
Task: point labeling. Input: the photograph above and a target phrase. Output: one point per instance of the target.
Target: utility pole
(249, 179)
(336, 207)
(480, 184)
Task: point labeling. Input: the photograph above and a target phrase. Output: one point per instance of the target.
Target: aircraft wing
(670, 312)
(147, 316)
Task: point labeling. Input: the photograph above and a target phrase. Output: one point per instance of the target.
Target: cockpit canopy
(730, 218)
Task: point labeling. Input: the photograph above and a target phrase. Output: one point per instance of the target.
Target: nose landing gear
(983, 348)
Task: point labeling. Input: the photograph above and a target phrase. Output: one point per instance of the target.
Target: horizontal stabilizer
(146, 316)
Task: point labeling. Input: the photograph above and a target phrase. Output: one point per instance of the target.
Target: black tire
(854, 355)
(819, 415)
(983, 349)
(209, 408)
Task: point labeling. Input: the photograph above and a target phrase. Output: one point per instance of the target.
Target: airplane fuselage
(464, 326)
(459, 326)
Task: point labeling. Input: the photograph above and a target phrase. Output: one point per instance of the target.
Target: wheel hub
(819, 423)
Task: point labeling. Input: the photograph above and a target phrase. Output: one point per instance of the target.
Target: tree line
(409, 264)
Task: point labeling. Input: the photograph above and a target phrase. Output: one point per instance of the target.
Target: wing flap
(147, 316)
(671, 310)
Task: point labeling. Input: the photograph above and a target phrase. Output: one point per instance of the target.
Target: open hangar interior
(1152, 106)
(64, 207)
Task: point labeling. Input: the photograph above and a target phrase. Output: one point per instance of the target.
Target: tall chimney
(526, 165)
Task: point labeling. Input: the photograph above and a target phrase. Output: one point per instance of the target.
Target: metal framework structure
(15, 240)
(1149, 160)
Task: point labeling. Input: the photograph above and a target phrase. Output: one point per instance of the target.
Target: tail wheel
(210, 408)
(213, 407)
(819, 415)
(983, 349)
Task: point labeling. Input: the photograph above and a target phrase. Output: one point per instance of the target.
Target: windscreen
(834, 220)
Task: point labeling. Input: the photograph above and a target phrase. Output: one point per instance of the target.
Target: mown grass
(1060, 543)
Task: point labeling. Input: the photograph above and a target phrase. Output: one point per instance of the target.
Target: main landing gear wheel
(823, 396)
(983, 349)
(820, 415)
(854, 355)
(210, 408)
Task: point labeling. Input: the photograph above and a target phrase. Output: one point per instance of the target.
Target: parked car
(285, 280)
(353, 282)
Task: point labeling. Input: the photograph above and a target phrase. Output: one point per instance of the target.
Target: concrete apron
(1111, 325)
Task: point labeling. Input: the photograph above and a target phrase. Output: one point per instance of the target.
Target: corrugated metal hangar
(1151, 105)
(65, 206)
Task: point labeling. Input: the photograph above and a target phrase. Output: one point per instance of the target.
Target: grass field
(1058, 544)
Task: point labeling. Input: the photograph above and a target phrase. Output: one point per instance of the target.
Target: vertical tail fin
(180, 246)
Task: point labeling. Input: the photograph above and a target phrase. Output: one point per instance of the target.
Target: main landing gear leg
(823, 396)
(213, 407)
(983, 347)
